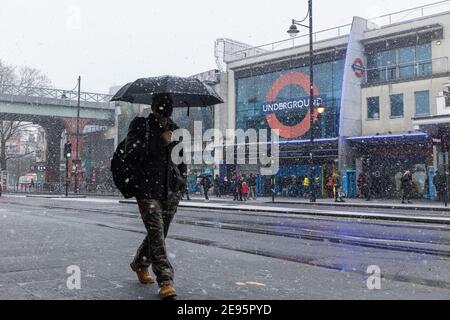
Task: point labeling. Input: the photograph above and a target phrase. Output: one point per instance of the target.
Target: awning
(443, 119)
(308, 141)
(388, 138)
(286, 143)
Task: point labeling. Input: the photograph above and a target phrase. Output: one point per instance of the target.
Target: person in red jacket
(245, 190)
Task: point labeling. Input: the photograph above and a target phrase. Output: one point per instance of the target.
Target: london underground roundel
(299, 129)
(358, 67)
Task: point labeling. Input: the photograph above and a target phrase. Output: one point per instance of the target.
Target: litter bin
(349, 183)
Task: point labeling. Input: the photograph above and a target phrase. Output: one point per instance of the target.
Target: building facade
(376, 79)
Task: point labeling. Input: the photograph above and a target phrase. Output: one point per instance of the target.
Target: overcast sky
(111, 42)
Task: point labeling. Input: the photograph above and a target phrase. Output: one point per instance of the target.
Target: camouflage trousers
(157, 216)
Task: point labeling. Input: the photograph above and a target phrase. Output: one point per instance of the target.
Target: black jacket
(152, 160)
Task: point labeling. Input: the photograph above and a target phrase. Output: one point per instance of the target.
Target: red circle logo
(301, 80)
(358, 68)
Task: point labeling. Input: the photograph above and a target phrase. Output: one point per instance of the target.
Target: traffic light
(68, 150)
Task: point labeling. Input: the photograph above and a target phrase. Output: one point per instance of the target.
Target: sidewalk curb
(367, 205)
(326, 213)
(56, 197)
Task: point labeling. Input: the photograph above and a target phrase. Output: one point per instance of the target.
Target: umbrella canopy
(185, 92)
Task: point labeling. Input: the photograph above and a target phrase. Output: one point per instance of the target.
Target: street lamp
(293, 32)
(321, 109)
(67, 155)
(273, 182)
(78, 135)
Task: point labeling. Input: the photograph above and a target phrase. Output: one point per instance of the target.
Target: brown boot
(142, 274)
(167, 291)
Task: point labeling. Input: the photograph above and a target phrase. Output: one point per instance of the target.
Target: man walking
(149, 144)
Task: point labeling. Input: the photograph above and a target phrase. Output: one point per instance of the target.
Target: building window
(422, 99)
(406, 57)
(402, 63)
(396, 105)
(373, 108)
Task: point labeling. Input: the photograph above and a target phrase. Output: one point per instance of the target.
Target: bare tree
(7, 75)
(27, 77)
(31, 77)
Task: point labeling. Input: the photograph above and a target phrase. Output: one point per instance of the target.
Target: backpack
(123, 170)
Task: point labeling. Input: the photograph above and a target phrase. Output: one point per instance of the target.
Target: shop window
(422, 101)
(373, 108)
(396, 105)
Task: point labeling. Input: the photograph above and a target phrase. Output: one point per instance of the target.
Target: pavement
(417, 204)
(217, 254)
(420, 211)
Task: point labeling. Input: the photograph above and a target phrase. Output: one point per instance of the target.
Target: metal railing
(326, 34)
(58, 96)
(288, 43)
(411, 70)
(412, 13)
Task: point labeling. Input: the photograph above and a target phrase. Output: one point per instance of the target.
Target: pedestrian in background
(217, 186)
(407, 186)
(306, 185)
(236, 186)
(299, 183)
(314, 188)
(329, 186)
(364, 186)
(337, 181)
(245, 191)
(185, 192)
(439, 183)
(240, 181)
(252, 185)
(206, 184)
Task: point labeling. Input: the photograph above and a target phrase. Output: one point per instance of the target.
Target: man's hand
(167, 137)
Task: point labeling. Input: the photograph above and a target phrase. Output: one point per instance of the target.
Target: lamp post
(273, 182)
(78, 135)
(293, 31)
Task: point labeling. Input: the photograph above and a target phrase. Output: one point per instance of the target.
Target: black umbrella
(185, 92)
